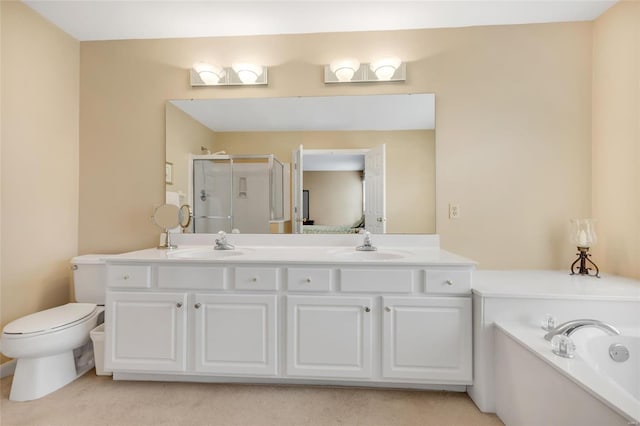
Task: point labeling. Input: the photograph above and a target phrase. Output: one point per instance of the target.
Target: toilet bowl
(44, 343)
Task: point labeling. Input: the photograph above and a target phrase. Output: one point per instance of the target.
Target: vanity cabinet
(383, 324)
(157, 319)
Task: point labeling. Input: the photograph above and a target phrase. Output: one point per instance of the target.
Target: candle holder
(583, 235)
(583, 258)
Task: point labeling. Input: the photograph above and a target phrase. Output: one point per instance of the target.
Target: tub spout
(570, 327)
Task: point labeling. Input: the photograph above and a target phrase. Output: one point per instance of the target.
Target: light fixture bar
(364, 74)
(230, 78)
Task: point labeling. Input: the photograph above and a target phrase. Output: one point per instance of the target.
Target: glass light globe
(385, 68)
(344, 69)
(583, 233)
(209, 74)
(247, 73)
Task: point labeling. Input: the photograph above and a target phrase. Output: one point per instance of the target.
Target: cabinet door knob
(254, 279)
(197, 305)
(308, 279)
(388, 309)
(367, 309)
(125, 277)
(179, 304)
(449, 282)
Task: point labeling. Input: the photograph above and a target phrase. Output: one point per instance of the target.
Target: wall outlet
(454, 211)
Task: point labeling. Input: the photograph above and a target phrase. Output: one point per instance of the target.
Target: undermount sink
(370, 255)
(208, 253)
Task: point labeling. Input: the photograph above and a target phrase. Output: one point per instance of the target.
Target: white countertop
(401, 256)
(554, 285)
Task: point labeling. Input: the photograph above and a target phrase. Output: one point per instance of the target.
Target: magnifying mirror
(185, 214)
(166, 217)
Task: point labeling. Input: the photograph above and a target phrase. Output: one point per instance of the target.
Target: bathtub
(626, 375)
(536, 387)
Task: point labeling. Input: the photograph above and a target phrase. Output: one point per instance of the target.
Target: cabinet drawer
(448, 281)
(195, 277)
(377, 280)
(129, 276)
(256, 279)
(308, 279)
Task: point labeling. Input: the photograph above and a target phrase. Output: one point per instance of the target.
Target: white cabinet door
(236, 334)
(427, 339)
(145, 331)
(329, 337)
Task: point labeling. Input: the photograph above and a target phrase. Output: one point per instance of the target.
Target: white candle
(582, 239)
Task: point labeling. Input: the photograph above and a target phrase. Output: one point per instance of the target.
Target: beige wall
(513, 119)
(39, 221)
(410, 163)
(335, 198)
(184, 136)
(616, 139)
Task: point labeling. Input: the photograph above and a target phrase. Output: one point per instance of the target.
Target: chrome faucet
(570, 327)
(366, 245)
(221, 242)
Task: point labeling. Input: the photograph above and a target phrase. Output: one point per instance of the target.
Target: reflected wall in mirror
(165, 217)
(405, 124)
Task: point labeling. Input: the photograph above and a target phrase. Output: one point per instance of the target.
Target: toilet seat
(49, 320)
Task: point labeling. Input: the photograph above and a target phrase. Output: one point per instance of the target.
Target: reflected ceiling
(371, 112)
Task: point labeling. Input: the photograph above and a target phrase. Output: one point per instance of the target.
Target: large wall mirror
(360, 161)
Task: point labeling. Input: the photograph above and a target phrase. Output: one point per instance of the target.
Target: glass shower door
(212, 195)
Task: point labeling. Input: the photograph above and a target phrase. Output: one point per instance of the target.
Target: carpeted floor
(98, 400)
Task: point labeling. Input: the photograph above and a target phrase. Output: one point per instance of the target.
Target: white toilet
(43, 343)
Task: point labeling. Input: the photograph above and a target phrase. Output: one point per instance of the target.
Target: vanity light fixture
(583, 235)
(240, 74)
(351, 71)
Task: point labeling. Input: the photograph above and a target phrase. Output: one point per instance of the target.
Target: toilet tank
(90, 277)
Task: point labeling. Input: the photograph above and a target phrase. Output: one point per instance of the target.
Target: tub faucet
(570, 327)
(366, 245)
(221, 242)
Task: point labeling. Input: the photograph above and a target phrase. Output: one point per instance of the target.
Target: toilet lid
(50, 319)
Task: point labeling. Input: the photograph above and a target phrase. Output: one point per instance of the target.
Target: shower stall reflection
(243, 192)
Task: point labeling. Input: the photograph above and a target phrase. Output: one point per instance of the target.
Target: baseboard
(7, 368)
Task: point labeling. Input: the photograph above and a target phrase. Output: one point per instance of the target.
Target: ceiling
(115, 20)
